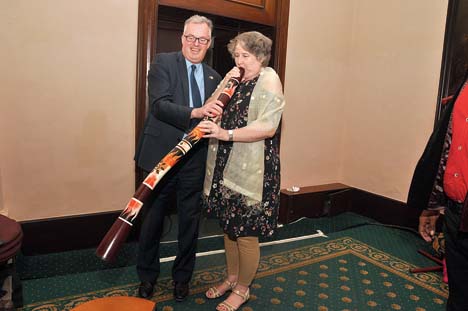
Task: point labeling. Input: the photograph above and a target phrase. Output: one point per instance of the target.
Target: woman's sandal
(214, 292)
(226, 306)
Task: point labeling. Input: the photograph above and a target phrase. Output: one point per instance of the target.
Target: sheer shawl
(245, 167)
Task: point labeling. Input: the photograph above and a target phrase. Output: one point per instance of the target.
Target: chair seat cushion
(9, 230)
(121, 303)
(10, 249)
(11, 237)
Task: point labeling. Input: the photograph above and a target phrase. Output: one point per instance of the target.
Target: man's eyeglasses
(191, 38)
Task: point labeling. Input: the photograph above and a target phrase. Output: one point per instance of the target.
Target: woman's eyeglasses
(191, 38)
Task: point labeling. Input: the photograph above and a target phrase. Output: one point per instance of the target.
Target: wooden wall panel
(256, 3)
(258, 11)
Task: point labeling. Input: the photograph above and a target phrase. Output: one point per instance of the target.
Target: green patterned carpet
(362, 268)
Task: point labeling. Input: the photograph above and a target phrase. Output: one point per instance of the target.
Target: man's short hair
(198, 19)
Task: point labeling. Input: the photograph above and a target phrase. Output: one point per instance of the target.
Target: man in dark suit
(178, 84)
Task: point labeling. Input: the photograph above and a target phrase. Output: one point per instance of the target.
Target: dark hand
(427, 224)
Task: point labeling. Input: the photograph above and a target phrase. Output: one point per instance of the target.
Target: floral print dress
(236, 218)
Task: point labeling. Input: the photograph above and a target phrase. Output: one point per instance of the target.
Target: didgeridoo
(118, 233)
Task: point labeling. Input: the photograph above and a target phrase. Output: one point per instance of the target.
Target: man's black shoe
(145, 290)
(181, 291)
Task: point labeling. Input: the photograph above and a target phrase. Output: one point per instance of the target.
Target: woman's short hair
(198, 19)
(255, 43)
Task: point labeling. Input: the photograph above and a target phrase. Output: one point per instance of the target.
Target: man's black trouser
(456, 254)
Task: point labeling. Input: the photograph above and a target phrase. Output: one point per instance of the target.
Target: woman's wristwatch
(230, 135)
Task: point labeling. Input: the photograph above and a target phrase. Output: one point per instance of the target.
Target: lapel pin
(211, 77)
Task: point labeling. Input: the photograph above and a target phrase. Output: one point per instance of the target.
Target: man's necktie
(196, 98)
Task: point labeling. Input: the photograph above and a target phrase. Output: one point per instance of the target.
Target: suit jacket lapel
(209, 82)
(182, 67)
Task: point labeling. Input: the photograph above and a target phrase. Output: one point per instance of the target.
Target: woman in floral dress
(242, 181)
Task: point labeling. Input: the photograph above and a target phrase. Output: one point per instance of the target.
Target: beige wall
(67, 106)
(364, 124)
(361, 84)
(396, 66)
(319, 42)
